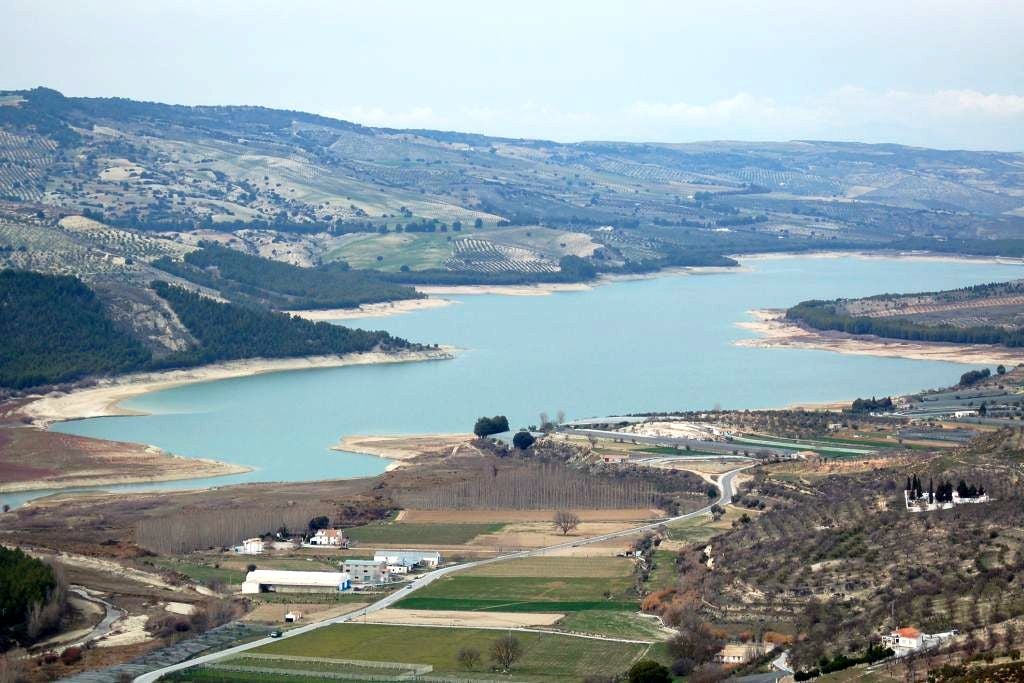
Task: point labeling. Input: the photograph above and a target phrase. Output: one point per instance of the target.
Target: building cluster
(941, 497)
(356, 574)
(322, 538)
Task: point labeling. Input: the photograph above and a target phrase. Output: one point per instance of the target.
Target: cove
(664, 343)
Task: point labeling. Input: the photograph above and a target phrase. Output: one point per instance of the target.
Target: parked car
(276, 633)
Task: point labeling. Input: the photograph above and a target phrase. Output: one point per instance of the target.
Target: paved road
(726, 491)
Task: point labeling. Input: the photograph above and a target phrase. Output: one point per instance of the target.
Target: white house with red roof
(908, 639)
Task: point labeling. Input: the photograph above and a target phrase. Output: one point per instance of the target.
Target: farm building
(614, 458)
(279, 581)
(741, 653)
(366, 571)
(409, 558)
(251, 546)
(333, 538)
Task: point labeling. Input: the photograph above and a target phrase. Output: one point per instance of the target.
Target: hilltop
(420, 204)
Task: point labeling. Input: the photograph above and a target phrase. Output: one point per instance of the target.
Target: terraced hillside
(986, 314)
(293, 186)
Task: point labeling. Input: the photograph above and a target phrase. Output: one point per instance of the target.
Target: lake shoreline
(380, 310)
(545, 289)
(103, 400)
(775, 332)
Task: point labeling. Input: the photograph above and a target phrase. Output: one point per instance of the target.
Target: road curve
(725, 488)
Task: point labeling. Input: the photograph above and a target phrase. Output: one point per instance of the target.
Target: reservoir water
(663, 343)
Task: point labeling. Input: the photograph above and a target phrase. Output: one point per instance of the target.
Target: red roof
(909, 632)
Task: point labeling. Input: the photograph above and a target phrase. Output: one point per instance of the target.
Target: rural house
(332, 538)
(905, 640)
(251, 546)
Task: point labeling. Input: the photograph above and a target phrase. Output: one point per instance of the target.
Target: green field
(525, 594)
(420, 534)
(612, 623)
(546, 657)
(201, 573)
(664, 574)
(419, 251)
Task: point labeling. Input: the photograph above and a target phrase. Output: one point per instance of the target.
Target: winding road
(725, 488)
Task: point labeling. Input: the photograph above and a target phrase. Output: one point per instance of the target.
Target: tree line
(54, 329)
(531, 487)
(251, 279)
(183, 533)
(822, 315)
(230, 332)
(32, 598)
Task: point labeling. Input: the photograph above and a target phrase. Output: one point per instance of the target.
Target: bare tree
(468, 658)
(12, 666)
(506, 651)
(566, 521)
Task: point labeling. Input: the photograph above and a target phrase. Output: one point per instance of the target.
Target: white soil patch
(127, 632)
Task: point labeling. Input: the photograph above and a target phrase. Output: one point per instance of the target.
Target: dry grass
(540, 534)
(273, 613)
(546, 567)
(510, 516)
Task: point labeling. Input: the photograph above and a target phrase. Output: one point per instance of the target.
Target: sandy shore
(880, 255)
(103, 399)
(401, 449)
(372, 310)
(129, 468)
(507, 290)
(776, 332)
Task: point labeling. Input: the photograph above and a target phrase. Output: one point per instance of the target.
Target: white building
(922, 505)
(397, 569)
(909, 639)
(280, 581)
(409, 558)
(333, 538)
(252, 546)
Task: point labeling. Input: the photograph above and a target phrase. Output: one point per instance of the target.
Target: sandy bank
(880, 255)
(404, 448)
(776, 332)
(372, 310)
(130, 468)
(542, 289)
(507, 290)
(102, 400)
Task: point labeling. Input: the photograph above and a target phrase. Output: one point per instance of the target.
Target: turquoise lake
(663, 343)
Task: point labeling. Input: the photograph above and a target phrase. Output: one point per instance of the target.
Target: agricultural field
(475, 254)
(206, 574)
(630, 625)
(541, 584)
(400, 533)
(417, 251)
(545, 656)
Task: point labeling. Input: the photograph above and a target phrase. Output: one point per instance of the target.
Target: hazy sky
(940, 73)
